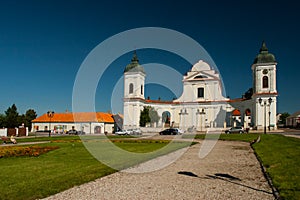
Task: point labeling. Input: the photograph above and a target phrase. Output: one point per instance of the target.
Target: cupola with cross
(134, 79)
(264, 72)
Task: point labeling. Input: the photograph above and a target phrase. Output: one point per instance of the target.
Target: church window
(200, 76)
(141, 89)
(200, 92)
(130, 88)
(265, 81)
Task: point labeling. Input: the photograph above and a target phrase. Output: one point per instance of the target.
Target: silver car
(237, 129)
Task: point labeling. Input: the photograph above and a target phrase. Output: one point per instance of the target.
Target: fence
(7, 132)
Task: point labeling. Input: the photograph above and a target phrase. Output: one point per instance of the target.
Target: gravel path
(230, 171)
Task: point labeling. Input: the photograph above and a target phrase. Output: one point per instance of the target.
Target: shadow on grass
(223, 177)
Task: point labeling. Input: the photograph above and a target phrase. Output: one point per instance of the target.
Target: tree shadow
(232, 178)
(188, 173)
(223, 177)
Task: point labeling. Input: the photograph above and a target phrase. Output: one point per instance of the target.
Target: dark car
(169, 131)
(80, 132)
(72, 132)
(237, 129)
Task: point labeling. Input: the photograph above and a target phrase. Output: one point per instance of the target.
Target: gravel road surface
(230, 171)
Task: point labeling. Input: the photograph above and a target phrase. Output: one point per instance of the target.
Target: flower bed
(17, 151)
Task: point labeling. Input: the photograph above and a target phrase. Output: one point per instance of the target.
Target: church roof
(77, 117)
(134, 66)
(236, 112)
(264, 56)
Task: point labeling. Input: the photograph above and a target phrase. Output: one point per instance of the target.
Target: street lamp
(264, 104)
(50, 114)
(200, 113)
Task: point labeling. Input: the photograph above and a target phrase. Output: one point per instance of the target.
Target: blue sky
(43, 43)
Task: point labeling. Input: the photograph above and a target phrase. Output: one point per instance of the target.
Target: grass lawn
(233, 137)
(281, 157)
(69, 165)
(72, 164)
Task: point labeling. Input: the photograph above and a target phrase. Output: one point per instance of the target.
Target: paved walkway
(230, 171)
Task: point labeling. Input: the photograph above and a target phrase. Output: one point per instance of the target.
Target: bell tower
(134, 79)
(264, 89)
(134, 87)
(264, 71)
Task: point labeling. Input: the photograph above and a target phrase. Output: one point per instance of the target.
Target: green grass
(65, 137)
(58, 170)
(71, 164)
(281, 157)
(232, 137)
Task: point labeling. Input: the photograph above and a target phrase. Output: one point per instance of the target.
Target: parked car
(80, 132)
(134, 131)
(179, 131)
(72, 132)
(170, 131)
(122, 132)
(237, 129)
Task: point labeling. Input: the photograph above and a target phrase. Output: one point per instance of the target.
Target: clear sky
(43, 44)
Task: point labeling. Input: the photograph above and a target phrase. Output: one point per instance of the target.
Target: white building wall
(3, 132)
(108, 128)
(87, 127)
(138, 80)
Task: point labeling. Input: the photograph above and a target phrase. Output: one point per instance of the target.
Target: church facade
(202, 104)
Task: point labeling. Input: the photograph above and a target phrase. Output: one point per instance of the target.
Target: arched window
(141, 89)
(265, 81)
(200, 76)
(130, 88)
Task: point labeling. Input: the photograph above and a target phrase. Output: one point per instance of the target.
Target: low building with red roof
(88, 122)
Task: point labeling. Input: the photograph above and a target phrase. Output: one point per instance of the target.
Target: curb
(263, 169)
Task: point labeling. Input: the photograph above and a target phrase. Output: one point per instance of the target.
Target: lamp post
(200, 113)
(264, 104)
(50, 114)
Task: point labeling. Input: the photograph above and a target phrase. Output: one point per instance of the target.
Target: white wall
(3, 132)
(138, 80)
(87, 127)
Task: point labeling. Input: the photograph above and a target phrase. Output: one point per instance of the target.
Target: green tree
(148, 115)
(144, 117)
(11, 117)
(154, 118)
(282, 118)
(21, 119)
(2, 120)
(29, 116)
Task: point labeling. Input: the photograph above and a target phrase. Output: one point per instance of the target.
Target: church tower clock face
(265, 71)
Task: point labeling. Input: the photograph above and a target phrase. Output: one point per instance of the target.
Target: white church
(202, 104)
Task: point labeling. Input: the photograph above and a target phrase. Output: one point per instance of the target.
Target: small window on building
(200, 92)
(130, 88)
(265, 81)
(200, 76)
(141, 89)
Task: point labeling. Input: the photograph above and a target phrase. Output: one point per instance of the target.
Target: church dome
(264, 56)
(134, 66)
